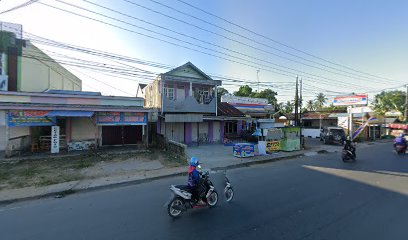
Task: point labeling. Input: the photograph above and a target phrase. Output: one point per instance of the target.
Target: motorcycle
(400, 149)
(349, 155)
(181, 197)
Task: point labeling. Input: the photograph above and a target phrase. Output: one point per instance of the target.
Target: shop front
(122, 128)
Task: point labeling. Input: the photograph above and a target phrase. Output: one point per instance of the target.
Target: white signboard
(361, 110)
(358, 99)
(55, 130)
(244, 100)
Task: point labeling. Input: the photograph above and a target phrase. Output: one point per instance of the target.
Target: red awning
(398, 126)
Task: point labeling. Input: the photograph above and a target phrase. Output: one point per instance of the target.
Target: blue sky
(361, 45)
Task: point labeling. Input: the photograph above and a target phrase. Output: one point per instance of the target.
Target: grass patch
(4, 175)
(173, 160)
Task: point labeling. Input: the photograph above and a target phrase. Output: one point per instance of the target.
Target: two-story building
(187, 101)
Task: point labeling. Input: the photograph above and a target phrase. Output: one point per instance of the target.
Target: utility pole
(300, 102)
(257, 78)
(296, 101)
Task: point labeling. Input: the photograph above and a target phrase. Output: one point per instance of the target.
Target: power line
(245, 37)
(281, 72)
(280, 43)
(20, 6)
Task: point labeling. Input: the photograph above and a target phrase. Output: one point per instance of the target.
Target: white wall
(19, 131)
(313, 133)
(82, 129)
(3, 133)
(194, 132)
(216, 131)
(203, 127)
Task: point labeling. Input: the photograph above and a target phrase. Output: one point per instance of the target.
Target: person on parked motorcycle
(401, 141)
(349, 146)
(194, 180)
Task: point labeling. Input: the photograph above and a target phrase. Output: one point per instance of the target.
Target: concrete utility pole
(297, 102)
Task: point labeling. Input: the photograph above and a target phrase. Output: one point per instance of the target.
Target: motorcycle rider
(349, 146)
(194, 180)
(400, 140)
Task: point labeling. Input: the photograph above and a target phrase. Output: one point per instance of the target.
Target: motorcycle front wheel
(212, 200)
(229, 194)
(175, 206)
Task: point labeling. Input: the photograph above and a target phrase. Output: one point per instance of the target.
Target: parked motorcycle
(181, 197)
(228, 190)
(400, 149)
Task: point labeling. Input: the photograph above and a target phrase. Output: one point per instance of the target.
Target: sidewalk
(126, 173)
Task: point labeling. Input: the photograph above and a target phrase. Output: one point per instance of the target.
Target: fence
(171, 146)
(16, 145)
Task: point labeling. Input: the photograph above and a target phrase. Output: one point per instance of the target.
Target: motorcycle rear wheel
(229, 194)
(177, 201)
(212, 200)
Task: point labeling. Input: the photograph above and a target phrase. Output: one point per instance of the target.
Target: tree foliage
(221, 91)
(320, 101)
(246, 91)
(391, 101)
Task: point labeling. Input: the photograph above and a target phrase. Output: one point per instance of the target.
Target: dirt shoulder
(48, 171)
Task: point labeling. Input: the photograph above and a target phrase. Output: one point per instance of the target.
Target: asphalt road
(316, 197)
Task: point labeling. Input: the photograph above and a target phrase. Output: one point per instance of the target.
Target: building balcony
(190, 105)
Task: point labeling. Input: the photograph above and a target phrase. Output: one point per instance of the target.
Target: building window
(202, 95)
(230, 127)
(169, 92)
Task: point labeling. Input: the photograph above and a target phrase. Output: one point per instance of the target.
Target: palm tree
(288, 107)
(320, 100)
(310, 105)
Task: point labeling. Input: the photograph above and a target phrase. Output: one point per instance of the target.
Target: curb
(73, 190)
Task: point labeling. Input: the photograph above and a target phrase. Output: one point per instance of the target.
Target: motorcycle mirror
(199, 167)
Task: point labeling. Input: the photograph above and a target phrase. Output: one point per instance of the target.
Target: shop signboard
(272, 146)
(121, 118)
(55, 130)
(243, 150)
(358, 99)
(29, 118)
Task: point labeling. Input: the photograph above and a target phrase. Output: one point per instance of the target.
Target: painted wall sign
(272, 146)
(121, 118)
(55, 130)
(358, 99)
(17, 118)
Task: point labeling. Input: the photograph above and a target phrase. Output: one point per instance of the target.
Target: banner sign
(272, 146)
(247, 103)
(55, 137)
(359, 99)
(121, 118)
(361, 128)
(29, 118)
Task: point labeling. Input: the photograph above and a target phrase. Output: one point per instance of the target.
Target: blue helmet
(194, 162)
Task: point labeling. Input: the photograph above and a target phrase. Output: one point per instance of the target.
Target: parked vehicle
(330, 135)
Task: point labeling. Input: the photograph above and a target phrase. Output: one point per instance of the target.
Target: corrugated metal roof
(226, 109)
